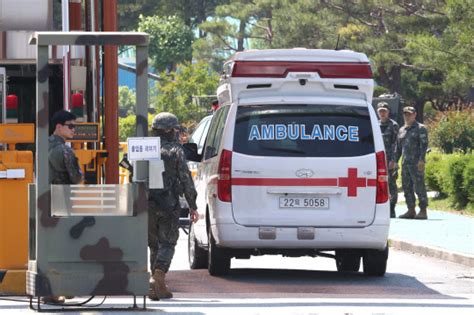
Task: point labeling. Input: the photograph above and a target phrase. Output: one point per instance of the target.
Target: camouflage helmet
(165, 121)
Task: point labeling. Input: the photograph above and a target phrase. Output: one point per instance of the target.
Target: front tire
(197, 256)
(218, 262)
(375, 262)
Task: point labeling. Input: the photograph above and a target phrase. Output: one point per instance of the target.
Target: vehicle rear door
(303, 165)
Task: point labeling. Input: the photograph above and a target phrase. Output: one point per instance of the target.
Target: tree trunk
(391, 80)
(419, 105)
(241, 36)
(396, 79)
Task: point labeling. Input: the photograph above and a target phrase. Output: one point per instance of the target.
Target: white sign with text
(144, 148)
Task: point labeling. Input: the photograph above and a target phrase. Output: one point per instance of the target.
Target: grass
(444, 204)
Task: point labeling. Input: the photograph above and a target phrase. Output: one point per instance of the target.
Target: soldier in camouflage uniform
(163, 205)
(389, 130)
(412, 144)
(64, 168)
(63, 165)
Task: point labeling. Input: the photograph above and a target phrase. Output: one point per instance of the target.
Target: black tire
(348, 260)
(218, 263)
(375, 262)
(197, 256)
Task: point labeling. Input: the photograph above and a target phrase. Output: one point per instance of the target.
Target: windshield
(303, 131)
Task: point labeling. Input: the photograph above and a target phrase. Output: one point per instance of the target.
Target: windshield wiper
(284, 150)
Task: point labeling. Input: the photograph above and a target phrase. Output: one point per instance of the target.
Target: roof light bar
(280, 69)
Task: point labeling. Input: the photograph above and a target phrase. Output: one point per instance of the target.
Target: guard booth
(87, 240)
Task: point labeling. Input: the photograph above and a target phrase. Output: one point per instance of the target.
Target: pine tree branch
(222, 39)
(405, 65)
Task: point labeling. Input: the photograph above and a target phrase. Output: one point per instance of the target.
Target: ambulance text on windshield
(300, 131)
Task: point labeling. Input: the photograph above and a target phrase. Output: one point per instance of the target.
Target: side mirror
(125, 163)
(190, 150)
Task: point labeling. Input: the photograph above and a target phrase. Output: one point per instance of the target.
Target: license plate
(304, 202)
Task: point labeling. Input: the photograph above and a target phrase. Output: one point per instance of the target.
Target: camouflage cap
(383, 105)
(165, 121)
(409, 109)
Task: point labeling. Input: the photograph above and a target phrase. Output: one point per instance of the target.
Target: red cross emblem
(352, 182)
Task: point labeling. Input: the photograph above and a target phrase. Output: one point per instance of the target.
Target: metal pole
(142, 106)
(111, 95)
(43, 193)
(142, 90)
(93, 64)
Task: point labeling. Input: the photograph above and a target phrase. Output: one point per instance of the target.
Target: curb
(435, 252)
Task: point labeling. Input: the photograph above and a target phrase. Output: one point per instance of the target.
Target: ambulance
(293, 164)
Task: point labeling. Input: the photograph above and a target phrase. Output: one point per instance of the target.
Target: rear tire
(218, 262)
(348, 260)
(375, 262)
(197, 256)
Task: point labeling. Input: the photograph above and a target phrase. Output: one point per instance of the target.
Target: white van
(293, 163)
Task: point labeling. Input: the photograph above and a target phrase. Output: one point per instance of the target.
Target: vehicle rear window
(303, 131)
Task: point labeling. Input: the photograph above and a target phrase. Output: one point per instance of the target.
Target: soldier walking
(412, 144)
(64, 167)
(163, 204)
(389, 129)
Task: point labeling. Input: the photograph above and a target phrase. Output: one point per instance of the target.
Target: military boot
(410, 214)
(422, 215)
(392, 211)
(159, 290)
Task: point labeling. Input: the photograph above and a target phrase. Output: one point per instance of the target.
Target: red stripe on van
(371, 182)
(280, 69)
(239, 181)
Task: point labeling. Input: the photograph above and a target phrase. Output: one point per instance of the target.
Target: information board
(144, 148)
(86, 132)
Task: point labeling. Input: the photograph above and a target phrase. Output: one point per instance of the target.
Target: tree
(193, 12)
(127, 100)
(170, 41)
(231, 28)
(383, 30)
(180, 90)
(304, 23)
(450, 53)
(130, 11)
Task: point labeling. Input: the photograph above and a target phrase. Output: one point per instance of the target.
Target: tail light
(224, 181)
(382, 178)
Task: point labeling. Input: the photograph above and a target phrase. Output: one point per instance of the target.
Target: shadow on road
(283, 283)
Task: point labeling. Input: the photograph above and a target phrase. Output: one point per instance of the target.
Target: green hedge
(452, 175)
(435, 162)
(468, 180)
(453, 131)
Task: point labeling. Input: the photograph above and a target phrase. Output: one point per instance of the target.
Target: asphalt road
(408, 277)
(276, 285)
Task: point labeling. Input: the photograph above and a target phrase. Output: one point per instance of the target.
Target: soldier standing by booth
(389, 129)
(412, 144)
(64, 168)
(163, 204)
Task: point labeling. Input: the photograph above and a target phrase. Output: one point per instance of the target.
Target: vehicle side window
(199, 135)
(203, 138)
(215, 133)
